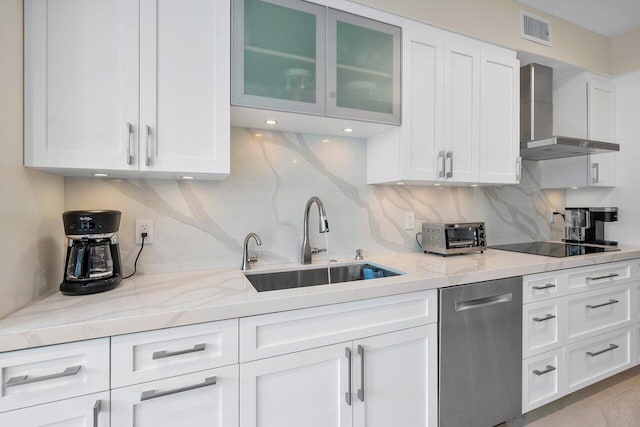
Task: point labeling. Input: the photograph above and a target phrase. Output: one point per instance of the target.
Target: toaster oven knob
(482, 235)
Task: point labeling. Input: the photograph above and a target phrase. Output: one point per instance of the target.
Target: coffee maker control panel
(78, 223)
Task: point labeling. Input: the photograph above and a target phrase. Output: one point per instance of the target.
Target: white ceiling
(607, 17)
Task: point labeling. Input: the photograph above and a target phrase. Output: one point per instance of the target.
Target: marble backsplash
(199, 225)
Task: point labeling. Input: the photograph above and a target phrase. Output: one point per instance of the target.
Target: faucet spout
(305, 252)
(246, 259)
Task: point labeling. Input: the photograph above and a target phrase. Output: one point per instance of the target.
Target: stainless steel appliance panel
(480, 381)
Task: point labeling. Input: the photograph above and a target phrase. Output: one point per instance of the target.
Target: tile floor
(611, 402)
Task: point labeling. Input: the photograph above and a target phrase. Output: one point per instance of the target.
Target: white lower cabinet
(377, 381)
(91, 410)
(307, 388)
(580, 326)
(542, 379)
(395, 379)
(591, 360)
(203, 398)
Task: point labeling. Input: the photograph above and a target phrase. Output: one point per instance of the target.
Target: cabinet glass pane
(364, 74)
(279, 52)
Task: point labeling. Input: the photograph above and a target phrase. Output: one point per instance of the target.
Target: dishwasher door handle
(483, 302)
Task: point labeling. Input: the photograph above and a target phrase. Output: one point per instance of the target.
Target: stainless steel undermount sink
(314, 276)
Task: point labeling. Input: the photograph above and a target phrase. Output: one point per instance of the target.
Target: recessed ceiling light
(574, 188)
(271, 122)
(258, 134)
(325, 140)
(474, 185)
(437, 185)
(186, 177)
(399, 183)
(348, 130)
(100, 174)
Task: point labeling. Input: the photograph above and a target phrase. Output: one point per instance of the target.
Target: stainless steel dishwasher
(480, 381)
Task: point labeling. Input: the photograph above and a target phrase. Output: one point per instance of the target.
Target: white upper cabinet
(130, 88)
(584, 107)
(500, 123)
(460, 114)
(461, 110)
(81, 84)
(315, 69)
(184, 89)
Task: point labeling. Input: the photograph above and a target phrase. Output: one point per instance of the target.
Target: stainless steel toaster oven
(453, 238)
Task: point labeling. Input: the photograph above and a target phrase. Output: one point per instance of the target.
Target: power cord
(135, 263)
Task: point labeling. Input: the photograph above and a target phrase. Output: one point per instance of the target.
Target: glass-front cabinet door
(363, 75)
(278, 55)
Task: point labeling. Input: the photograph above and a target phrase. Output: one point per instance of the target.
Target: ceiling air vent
(535, 28)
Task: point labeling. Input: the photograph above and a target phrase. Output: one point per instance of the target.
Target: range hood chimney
(537, 141)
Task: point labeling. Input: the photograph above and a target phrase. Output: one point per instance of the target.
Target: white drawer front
(598, 276)
(542, 286)
(279, 333)
(598, 312)
(43, 374)
(541, 326)
(91, 410)
(147, 356)
(542, 379)
(596, 358)
(205, 398)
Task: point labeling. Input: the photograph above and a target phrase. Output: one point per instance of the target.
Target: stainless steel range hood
(537, 141)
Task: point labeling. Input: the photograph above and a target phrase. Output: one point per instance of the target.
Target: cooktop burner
(553, 249)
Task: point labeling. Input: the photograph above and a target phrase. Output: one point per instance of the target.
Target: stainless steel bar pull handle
(129, 144)
(97, 407)
(542, 319)
(611, 301)
(595, 353)
(154, 394)
(361, 389)
(441, 156)
(450, 156)
(547, 286)
(347, 395)
(608, 276)
(25, 379)
(163, 354)
(595, 177)
(518, 169)
(147, 157)
(546, 370)
(483, 302)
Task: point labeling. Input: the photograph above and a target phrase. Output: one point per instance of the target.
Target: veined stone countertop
(149, 302)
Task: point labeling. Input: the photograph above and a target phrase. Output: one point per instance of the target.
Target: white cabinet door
(81, 84)
(205, 398)
(91, 410)
(422, 131)
(395, 379)
(307, 388)
(601, 127)
(184, 86)
(500, 118)
(462, 110)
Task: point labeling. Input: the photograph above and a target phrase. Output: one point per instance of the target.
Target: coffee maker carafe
(586, 225)
(93, 257)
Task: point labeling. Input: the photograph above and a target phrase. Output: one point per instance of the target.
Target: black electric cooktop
(553, 249)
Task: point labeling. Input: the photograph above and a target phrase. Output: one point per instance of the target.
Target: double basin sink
(317, 276)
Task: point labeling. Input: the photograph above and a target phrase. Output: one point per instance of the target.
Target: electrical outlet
(144, 226)
(409, 220)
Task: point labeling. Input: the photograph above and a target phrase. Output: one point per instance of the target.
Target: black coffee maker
(93, 256)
